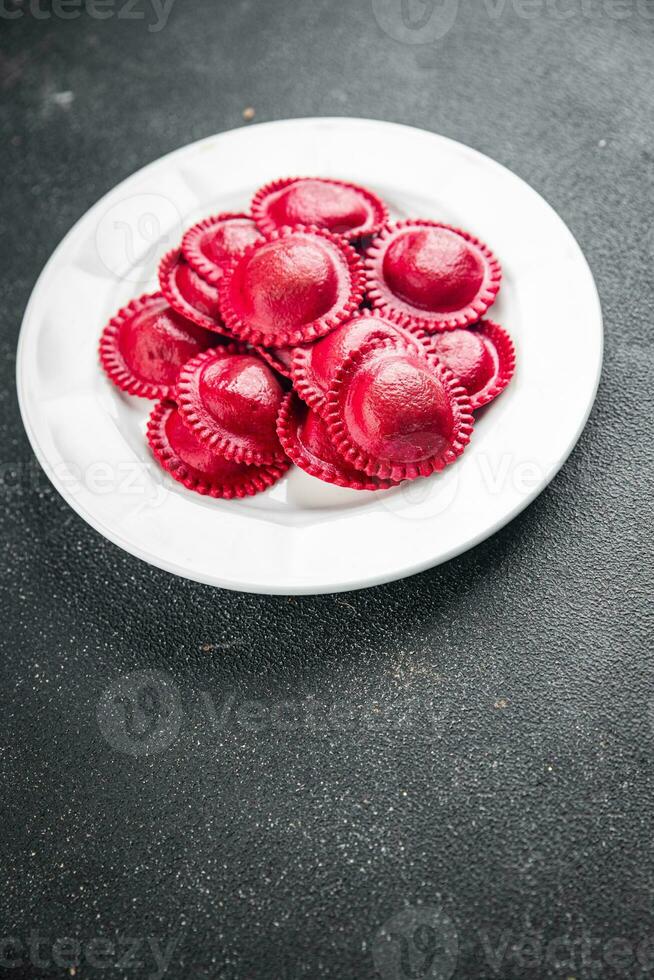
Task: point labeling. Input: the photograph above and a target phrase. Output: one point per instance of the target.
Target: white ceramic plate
(304, 536)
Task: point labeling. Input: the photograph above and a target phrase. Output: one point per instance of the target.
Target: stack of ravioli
(314, 331)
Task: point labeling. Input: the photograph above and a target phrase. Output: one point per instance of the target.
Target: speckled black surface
(492, 755)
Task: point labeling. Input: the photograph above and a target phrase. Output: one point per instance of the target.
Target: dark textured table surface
(469, 750)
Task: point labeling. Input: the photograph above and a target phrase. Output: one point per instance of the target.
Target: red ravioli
(145, 344)
(295, 286)
(431, 275)
(210, 245)
(231, 399)
(397, 413)
(482, 357)
(189, 294)
(340, 207)
(304, 436)
(190, 462)
(314, 366)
